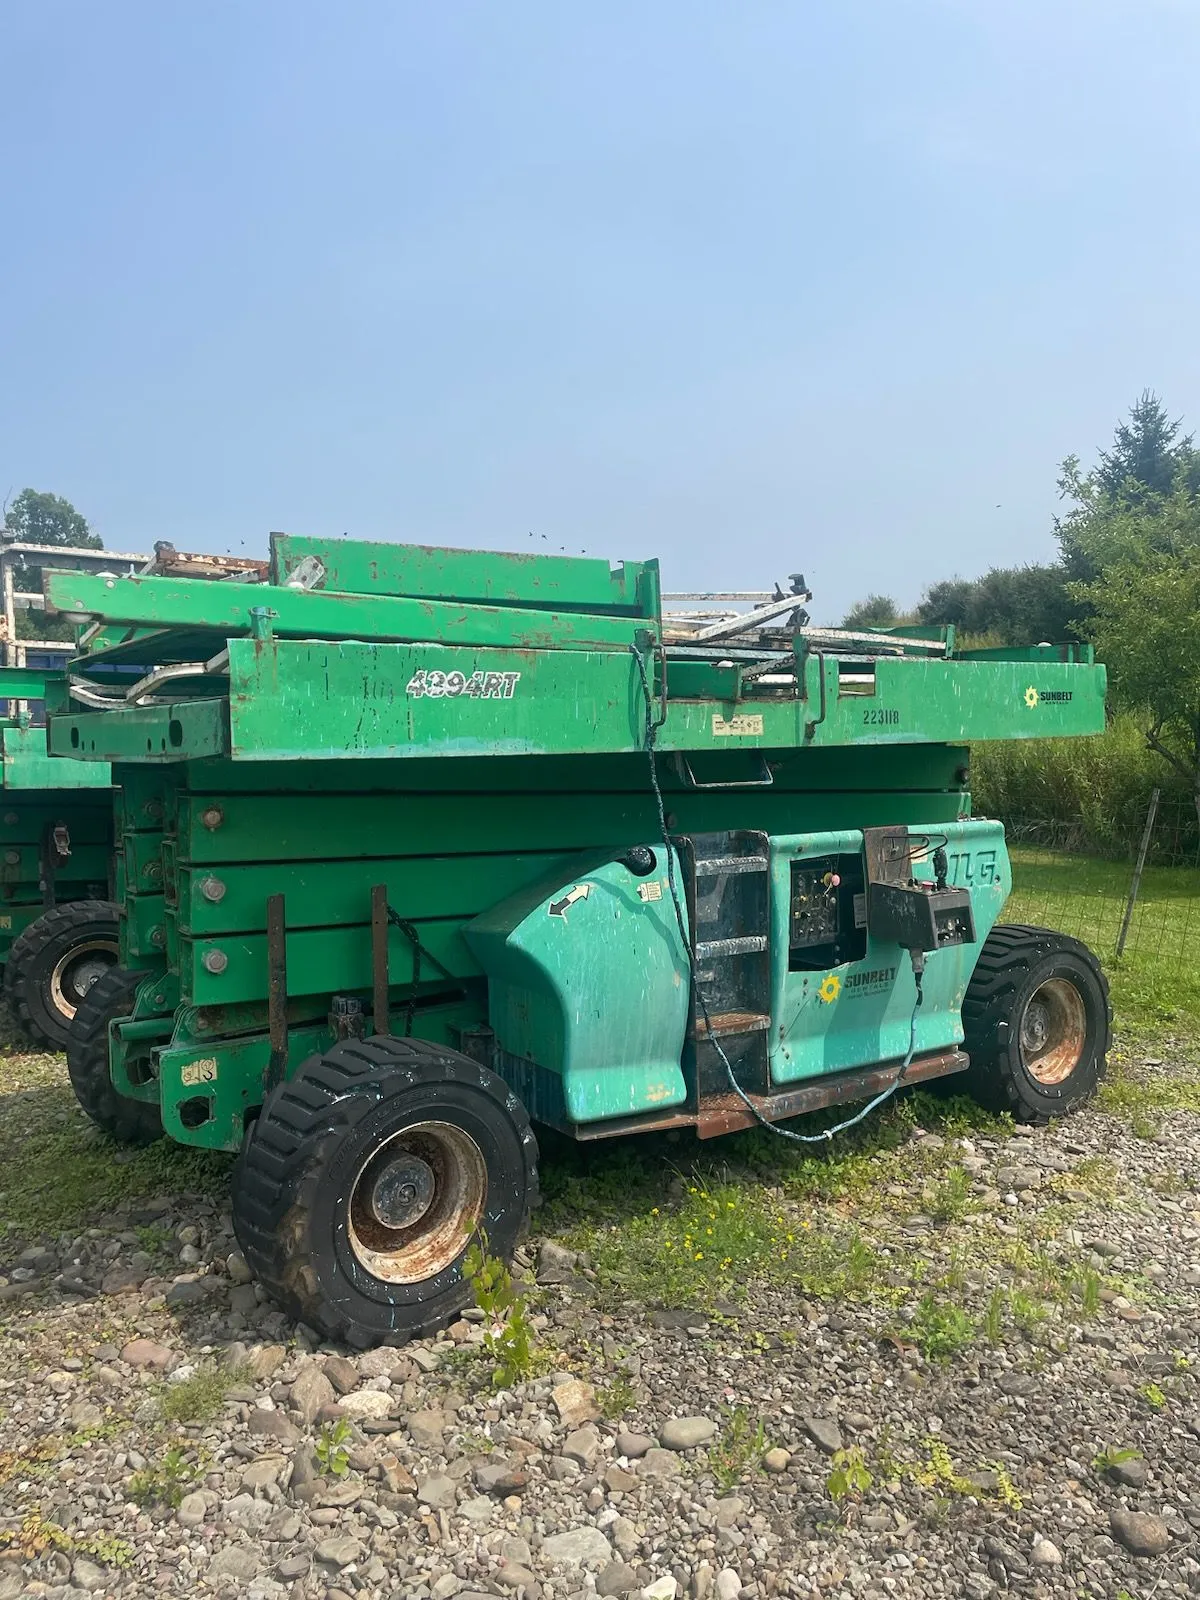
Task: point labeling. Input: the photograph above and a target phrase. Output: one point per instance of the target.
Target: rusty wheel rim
(416, 1202)
(77, 971)
(1053, 1031)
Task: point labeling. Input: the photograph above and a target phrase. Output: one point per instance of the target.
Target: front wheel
(367, 1175)
(54, 963)
(1037, 1022)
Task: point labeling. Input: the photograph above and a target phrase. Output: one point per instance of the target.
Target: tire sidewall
(1053, 1100)
(404, 1102)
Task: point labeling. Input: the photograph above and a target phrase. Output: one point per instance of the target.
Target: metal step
(731, 947)
(709, 868)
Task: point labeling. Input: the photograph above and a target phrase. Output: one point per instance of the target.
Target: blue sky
(749, 287)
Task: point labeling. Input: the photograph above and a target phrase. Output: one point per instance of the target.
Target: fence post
(1136, 884)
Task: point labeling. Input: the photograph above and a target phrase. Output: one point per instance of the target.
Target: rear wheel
(366, 1177)
(54, 963)
(1037, 1022)
(110, 998)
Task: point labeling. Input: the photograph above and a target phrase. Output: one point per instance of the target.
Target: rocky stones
(366, 1403)
(1131, 1473)
(1044, 1553)
(264, 1362)
(582, 1446)
(237, 1561)
(310, 1391)
(575, 1402)
(427, 1429)
(273, 1425)
(338, 1552)
(729, 1584)
(618, 1481)
(437, 1491)
(824, 1433)
(777, 1460)
(1141, 1533)
(146, 1354)
(633, 1445)
(617, 1578)
(664, 1588)
(86, 1574)
(500, 1478)
(342, 1374)
(556, 1264)
(687, 1433)
(659, 1463)
(576, 1548)
(192, 1510)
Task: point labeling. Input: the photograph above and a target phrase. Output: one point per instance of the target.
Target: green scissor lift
(58, 923)
(416, 847)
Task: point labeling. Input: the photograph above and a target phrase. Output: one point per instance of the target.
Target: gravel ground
(1033, 1304)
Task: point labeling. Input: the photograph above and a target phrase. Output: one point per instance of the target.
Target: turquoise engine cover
(588, 991)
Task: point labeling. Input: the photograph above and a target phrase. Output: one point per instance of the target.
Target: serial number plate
(456, 685)
(879, 717)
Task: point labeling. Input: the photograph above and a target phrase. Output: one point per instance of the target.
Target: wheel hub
(417, 1201)
(403, 1192)
(1035, 1029)
(77, 971)
(1053, 1032)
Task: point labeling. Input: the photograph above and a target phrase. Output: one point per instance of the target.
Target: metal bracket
(684, 767)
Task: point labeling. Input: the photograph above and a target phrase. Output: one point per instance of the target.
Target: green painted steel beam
(301, 827)
(176, 731)
(233, 899)
(227, 608)
(295, 700)
(488, 577)
(27, 764)
(319, 961)
(27, 683)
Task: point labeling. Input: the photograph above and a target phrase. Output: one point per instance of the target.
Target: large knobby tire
(53, 964)
(367, 1175)
(109, 998)
(1037, 1023)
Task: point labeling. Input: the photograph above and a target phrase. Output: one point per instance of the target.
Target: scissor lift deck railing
(430, 652)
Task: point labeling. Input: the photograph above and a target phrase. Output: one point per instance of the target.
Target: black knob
(641, 860)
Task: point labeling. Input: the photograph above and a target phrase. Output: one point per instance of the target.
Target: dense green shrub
(1084, 794)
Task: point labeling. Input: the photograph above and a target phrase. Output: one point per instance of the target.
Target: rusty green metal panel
(563, 583)
(228, 609)
(299, 700)
(27, 764)
(232, 898)
(187, 730)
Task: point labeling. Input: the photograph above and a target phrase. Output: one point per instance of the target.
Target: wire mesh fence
(1057, 884)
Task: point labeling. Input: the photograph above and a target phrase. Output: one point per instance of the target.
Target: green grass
(1157, 980)
(58, 1175)
(200, 1397)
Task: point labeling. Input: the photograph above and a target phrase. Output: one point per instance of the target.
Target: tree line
(1127, 579)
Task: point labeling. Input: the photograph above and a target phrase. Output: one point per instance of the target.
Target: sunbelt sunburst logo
(831, 987)
(1031, 697)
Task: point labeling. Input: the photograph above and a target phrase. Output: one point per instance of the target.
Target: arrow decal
(558, 908)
